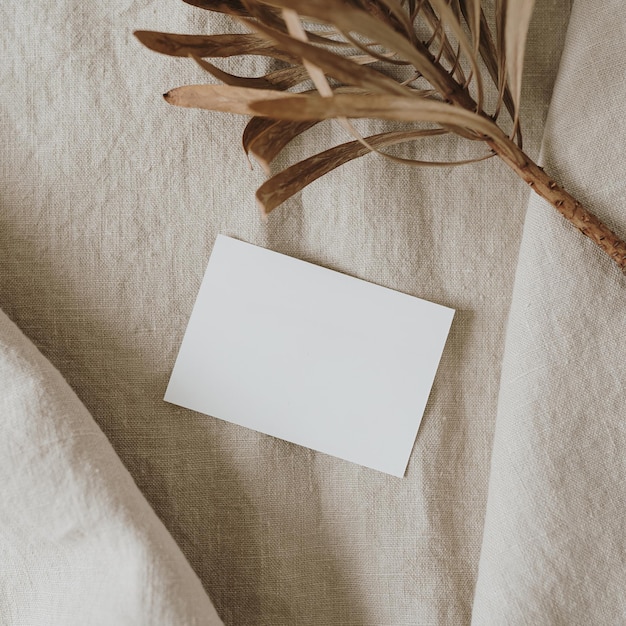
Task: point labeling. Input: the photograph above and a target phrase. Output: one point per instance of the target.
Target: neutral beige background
(79, 544)
(554, 548)
(109, 205)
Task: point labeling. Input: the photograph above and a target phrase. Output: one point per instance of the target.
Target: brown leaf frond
(517, 20)
(400, 18)
(446, 51)
(449, 91)
(349, 20)
(500, 18)
(302, 107)
(224, 98)
(489, 55)
(340, 68)
(265, 138)
(202, 46)
(450, 19)
(280, 79)
(293, 179)
(229, 7)
(471, 11)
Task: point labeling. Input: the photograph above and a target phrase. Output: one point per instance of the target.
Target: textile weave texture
(78, 542)
(110, 201)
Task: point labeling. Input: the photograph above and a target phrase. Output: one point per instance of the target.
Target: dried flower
(353, 52)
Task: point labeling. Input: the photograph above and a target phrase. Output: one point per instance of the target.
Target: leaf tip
(169, 96)
(264, 163)
(143, 36)
(263, 209)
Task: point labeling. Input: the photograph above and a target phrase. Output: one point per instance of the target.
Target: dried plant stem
(570, 208)
(350, 87)
(542, 184)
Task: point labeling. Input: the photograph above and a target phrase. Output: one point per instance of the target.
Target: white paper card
(309, 355)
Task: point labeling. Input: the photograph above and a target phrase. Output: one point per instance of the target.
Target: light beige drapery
(512, 507)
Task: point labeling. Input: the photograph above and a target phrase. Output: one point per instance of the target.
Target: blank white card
(312, 356)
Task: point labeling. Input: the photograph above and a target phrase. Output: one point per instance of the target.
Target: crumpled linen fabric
(554, 545)
(79, 544)
(110, 201)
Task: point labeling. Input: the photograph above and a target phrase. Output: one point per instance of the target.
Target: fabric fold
(79, 544)
(554, 544)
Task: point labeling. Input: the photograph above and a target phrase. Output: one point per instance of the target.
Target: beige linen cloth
(78, 542)
(554, 542)
(512, 509)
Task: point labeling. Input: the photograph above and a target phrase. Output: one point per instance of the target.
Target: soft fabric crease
(554, 541)
(78, 542)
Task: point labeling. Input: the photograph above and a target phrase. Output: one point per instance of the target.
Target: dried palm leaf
(293, 179)
(265, 138)
(427, 63)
